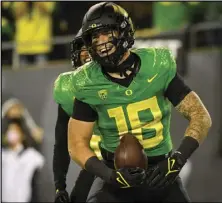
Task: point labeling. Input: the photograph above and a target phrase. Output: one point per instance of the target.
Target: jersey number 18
(133, 110)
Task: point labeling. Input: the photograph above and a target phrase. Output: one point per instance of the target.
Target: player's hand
(62, 196)
(166, 172)
(128, 177)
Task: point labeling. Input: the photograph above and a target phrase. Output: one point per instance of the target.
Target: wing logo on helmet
(120, 10)
(123, 24)
(93, 26)
(123, 12)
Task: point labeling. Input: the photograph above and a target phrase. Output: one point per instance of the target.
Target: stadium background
(195, 42)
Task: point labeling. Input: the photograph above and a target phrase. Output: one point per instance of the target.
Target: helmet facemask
(79, 53)
(109, 53)
(109, 18)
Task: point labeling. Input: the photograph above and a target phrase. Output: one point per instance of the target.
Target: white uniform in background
(18, 167)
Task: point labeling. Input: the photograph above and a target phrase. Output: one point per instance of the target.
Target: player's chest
(137, 99)
(107, 95)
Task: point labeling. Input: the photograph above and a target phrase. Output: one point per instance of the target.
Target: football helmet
(108, 18)
(77, 46)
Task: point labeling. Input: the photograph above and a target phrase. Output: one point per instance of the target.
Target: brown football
(130, 153)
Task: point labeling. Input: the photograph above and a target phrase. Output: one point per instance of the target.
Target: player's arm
(188, 103)
(80, 131)
(61, 157)
(191, 107)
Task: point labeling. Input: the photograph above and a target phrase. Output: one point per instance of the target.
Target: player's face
(102, 42)
(84, 55)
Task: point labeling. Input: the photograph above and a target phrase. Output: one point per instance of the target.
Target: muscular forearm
(79, 135)
(192, 108)
(78, 145)
(80, 153)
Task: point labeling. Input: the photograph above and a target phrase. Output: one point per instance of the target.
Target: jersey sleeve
(86, 82)
(171, 69)
(167, 65)
(57, 90)
(64, 92)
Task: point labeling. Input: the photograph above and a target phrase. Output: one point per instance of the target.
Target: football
(130, 153)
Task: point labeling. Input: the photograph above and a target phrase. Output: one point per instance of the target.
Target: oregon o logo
(93, 25)
(128, 92)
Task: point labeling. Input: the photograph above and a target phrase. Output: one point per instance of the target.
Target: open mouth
(106, 50)
(87, 59)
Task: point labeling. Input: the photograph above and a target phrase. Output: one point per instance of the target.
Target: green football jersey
(140, 109)
(64, 94)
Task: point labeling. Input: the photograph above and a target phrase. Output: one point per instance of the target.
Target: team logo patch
(128, 92)
(102, 94)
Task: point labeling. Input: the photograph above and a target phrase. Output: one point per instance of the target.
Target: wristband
(188, 146)
(97, 167)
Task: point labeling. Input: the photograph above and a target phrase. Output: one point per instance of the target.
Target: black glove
(128, 177)
(62, 196)
(123, 178)
(165, 172)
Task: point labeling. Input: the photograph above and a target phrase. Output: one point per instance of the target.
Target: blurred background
(35, 50)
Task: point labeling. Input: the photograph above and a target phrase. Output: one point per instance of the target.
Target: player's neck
(117, 75)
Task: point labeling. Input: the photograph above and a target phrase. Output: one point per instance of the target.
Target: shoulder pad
(84, 75)
(63, 87)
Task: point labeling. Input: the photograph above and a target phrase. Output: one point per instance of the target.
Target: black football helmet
(108, 16)
(76, 48)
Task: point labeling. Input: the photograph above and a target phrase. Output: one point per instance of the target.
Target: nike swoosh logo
(151, 79)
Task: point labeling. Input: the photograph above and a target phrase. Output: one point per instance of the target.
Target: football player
(131, 90)
(63, 95)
